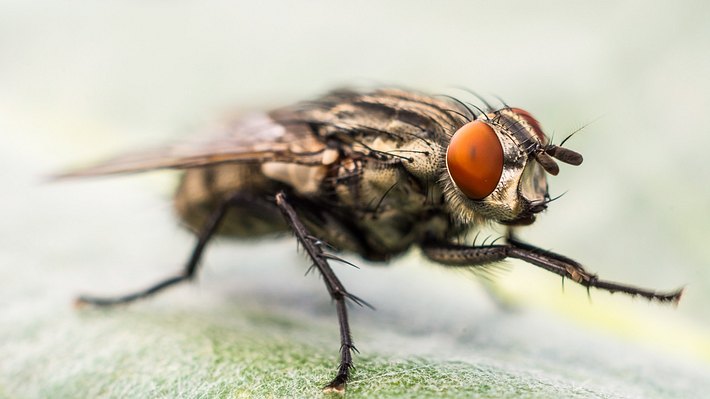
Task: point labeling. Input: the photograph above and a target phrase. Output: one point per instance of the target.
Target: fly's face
(497, 165)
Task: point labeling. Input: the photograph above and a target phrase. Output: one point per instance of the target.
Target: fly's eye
(475, 159)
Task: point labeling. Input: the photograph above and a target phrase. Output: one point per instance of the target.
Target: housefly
(369, 172)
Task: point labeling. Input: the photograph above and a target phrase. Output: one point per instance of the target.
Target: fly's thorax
(419, 156)
(374, 188)
(390, 208)
(425, 158)
(404, 179)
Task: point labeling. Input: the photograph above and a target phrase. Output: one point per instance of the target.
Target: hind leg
(210, 226)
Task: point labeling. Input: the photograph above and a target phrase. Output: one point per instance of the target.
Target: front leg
(335, 288)
(461, 255)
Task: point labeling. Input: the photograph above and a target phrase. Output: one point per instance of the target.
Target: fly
(372, 173)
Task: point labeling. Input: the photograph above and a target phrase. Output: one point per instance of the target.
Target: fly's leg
(208, 230)
(459, 255)
(335, 289)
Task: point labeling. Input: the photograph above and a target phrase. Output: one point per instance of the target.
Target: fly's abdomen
(251, 215)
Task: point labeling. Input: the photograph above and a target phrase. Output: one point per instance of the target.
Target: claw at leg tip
(334, 388)
(337, 385)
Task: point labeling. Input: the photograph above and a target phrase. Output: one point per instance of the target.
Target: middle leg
(335, 288)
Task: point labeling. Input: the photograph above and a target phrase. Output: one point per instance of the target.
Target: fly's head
(497, 168)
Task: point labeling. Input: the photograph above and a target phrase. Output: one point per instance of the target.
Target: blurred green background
(83, 80)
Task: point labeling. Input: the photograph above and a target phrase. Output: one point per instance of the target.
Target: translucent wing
(257, 138)
(297, 134)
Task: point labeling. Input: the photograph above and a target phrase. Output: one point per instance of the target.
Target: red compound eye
(475, 159)
(532, 121)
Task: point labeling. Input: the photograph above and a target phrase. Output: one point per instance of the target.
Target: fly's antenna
(569, 136)
(565, 154)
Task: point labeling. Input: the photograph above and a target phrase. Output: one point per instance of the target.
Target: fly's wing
(255, 139)
(347, 119)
